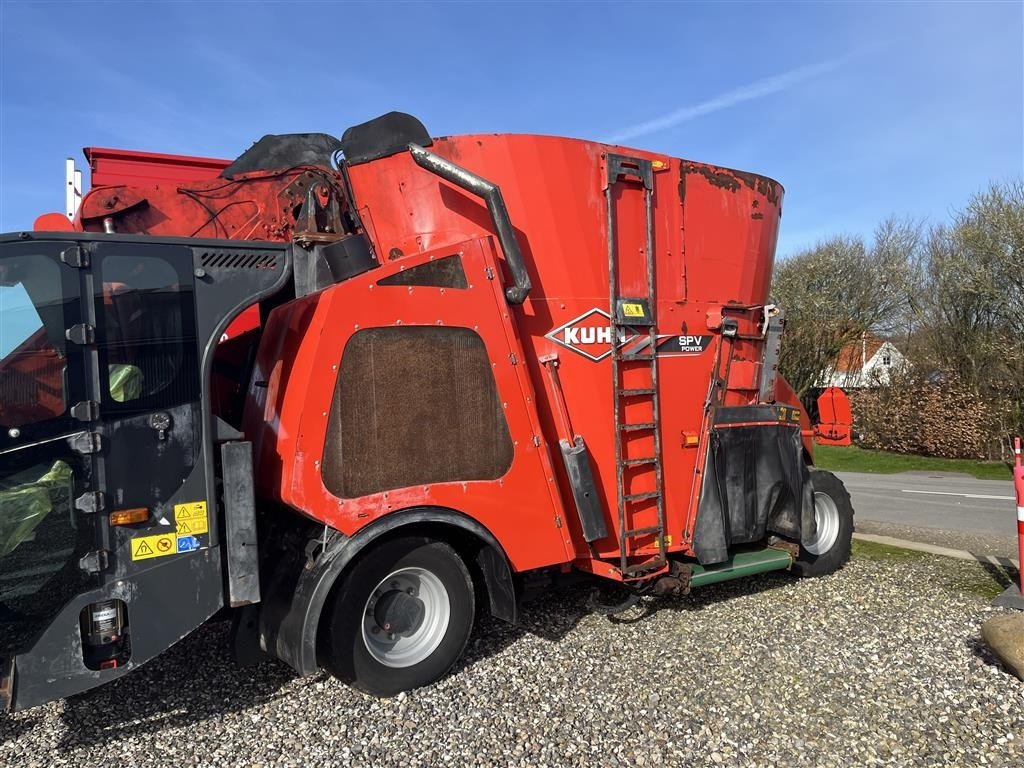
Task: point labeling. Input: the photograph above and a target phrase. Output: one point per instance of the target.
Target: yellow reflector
(129, 516)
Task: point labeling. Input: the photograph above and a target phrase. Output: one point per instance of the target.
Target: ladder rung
(641, 496)
(636, 392)
(639, 462)
(635, 358)
(644, 531)
(635, 427)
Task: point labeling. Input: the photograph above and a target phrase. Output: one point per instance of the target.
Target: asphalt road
(941, 508)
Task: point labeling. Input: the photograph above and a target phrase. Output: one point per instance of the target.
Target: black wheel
(833, 513)
(401, 617)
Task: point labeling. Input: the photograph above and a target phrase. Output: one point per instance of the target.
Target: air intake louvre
(238, 260)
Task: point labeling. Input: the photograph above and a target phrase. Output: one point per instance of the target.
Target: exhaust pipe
(489, 192)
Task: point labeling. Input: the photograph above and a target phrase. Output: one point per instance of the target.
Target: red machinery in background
(835, 418)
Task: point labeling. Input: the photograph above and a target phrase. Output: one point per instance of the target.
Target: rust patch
(682, 182)
(757, 215)
(726, 178)
(721, 179)
(395, 253)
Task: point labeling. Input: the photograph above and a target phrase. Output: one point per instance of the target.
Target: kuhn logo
(590, 335)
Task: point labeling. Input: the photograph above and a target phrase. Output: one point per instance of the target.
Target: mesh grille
(414, 405)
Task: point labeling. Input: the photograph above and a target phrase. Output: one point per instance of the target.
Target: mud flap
(755, 482)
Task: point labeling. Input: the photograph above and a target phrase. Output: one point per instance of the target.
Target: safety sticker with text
(191, 519)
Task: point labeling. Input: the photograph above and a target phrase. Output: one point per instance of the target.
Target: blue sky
(860, 110)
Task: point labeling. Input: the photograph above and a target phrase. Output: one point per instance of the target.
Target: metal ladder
(624, 313)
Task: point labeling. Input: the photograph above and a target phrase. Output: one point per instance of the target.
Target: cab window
(147, 342)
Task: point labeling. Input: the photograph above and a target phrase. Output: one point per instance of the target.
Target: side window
(147, 334)
(32, 360)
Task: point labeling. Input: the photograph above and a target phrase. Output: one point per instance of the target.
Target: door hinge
(94, 562)
(536, 441)
(75, 256)
(513, 359)
(91, 502)
(87, 410)
(86, 442)
(489, 272)
(82, 333)
(558, 521)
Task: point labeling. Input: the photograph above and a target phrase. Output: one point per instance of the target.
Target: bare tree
(840, 289)
(971, 314)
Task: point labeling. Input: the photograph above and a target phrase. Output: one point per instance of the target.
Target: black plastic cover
(383, 136)
(755, 483)
(584, 489)
(287, 150)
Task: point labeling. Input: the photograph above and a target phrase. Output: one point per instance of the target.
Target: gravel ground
(877, 665)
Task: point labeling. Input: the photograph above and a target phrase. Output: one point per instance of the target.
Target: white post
(72, 188)
(69, 187)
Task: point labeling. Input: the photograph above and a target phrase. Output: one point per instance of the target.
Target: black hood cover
(287, 150)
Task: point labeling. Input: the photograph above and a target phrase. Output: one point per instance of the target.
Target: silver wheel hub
(406, 617)
(826, 515)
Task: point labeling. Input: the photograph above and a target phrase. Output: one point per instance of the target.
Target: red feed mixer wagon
(353, 392)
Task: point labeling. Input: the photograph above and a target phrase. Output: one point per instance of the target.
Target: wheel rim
(406, 617)
(826, 515)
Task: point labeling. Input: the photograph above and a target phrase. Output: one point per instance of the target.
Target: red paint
(713, 258)
(835, 418)
(112, 167)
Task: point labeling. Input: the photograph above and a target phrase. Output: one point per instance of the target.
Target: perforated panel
(414, 405)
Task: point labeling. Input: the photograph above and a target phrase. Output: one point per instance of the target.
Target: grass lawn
(853, 459)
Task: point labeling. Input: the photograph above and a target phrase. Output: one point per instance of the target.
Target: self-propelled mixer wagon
(356, 391)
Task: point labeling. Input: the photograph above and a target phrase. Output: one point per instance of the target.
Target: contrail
(755, 90)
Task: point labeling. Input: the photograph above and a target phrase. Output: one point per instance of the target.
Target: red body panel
(113, 167)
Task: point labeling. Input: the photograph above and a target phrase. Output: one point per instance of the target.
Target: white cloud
(755, 90)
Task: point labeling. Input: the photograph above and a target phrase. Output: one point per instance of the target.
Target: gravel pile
(878, 665)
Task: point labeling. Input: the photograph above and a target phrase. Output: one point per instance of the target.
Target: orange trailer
(346, 388)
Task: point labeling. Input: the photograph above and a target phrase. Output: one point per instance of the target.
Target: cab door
(49, 540)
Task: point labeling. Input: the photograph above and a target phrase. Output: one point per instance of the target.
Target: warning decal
(191, 518)
(160, 545)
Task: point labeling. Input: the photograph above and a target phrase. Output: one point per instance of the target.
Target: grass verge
(980, 579)
(852, 459)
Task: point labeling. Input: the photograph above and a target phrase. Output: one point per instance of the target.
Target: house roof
(853, 356)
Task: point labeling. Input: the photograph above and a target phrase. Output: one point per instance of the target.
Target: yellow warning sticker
(632, 310)
(191, 518)
(145, 547)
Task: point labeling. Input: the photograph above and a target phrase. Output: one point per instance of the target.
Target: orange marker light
(129, 516)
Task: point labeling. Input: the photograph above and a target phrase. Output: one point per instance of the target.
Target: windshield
(42, 536)
(32, 345)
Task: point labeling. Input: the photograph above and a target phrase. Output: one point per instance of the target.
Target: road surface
(941, 508)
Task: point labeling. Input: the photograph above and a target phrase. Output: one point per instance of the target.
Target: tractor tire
(400, 618)
(834, 514)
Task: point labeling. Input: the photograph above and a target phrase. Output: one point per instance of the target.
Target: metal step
(635, 427)
(634, 532)
(639, 462)
(641, 496)
(635, 358)
(635, 392)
